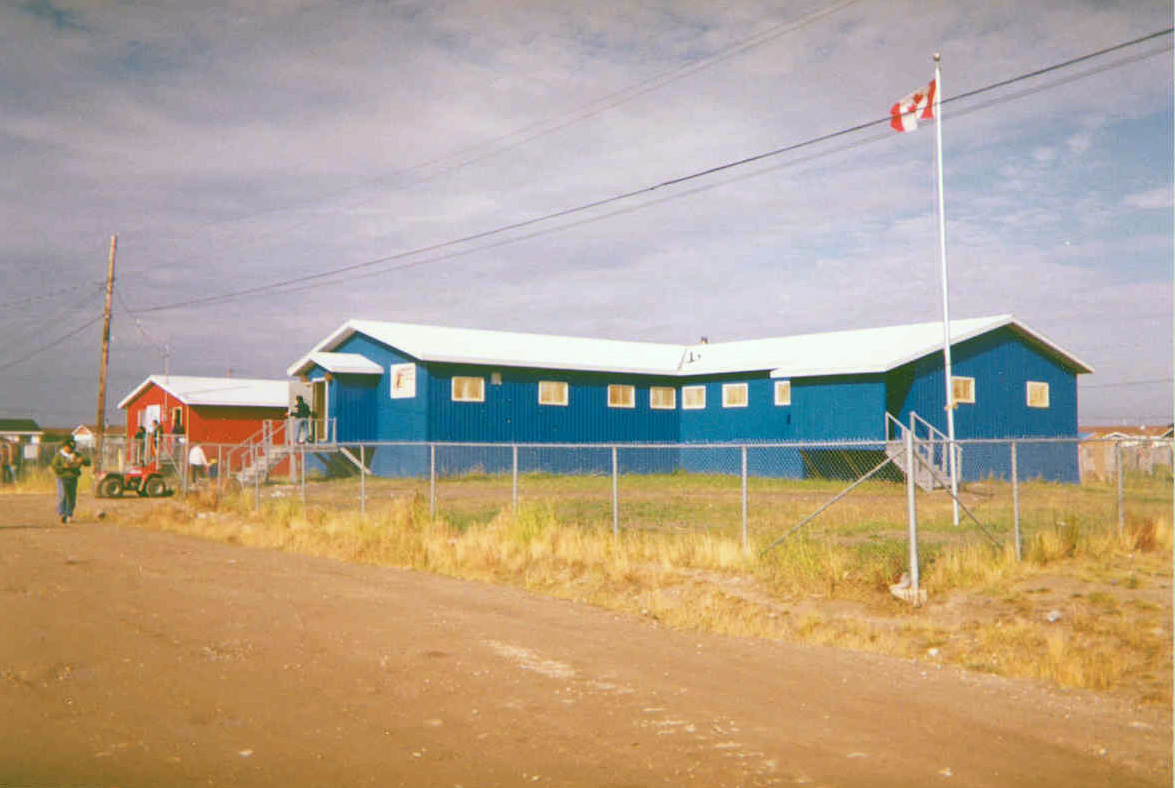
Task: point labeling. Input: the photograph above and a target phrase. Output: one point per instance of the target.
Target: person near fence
(67, 467)
(301, 415)
(176, 436)
(139, 446)
(156, 439)
(197, 461)
(6, 475)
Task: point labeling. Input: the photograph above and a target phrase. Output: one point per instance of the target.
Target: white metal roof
(235, 392)
(346, 363)
(505, 348)
(860, 351)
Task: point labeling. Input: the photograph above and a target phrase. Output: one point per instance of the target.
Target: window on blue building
(662, 397)
(782, 392)
(469, 389)
(1038, 394)
(552, 392)
(621, 396)
(734, 395)
(693, 397)
(963, 390)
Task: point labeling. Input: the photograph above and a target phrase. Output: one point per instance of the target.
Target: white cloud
(1152, 199)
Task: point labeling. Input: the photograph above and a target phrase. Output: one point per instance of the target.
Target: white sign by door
(403, 381)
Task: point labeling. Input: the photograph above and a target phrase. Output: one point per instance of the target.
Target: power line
(1128, 383)
(52, 344)
(293, 281)
(546, 126)
(33, 299)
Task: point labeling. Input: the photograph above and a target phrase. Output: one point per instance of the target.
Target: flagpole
(946, 313)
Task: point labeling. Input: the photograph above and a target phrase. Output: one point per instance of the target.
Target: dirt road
(135, 658)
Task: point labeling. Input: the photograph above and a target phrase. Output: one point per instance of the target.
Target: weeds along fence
(753, 492)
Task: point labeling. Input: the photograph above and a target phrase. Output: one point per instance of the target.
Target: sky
(273, 168)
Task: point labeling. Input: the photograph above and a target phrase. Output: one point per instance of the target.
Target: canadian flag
(917, 106)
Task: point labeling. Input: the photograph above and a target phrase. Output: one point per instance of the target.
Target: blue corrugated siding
(822, 409)
(394, 419)
(1001, 362)
(353, 406)
(512, 413)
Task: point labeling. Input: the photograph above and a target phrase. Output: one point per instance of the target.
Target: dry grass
(1087, 607)
(42, 481)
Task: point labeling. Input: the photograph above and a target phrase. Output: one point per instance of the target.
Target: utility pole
(101, 418)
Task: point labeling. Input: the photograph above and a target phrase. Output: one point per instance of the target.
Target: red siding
(202, 423)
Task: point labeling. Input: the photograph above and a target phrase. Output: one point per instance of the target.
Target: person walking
(197, 462)
(67, 466)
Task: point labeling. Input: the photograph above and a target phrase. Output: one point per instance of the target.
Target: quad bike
(147, 481)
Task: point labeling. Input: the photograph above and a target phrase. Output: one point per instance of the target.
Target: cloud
(1153, 199)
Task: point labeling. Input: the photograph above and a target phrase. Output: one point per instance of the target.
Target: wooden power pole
(101, 418)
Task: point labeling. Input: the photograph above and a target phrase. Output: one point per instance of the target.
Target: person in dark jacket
(140, 446)
(300, 416)
(67, 466)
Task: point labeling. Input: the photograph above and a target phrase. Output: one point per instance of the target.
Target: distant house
(84, 436)
(21, 430)
(382, 381)
(26, 434)
(203, 409)
(1144, 449)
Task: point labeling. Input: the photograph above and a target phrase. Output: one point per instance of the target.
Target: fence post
(432, 481)
(514, 476)
(1121, 488)
(912, 513)
(746, 537)
(256, 480)
(615, 494)
(303, 476)
(1016, 504)
(362, 480)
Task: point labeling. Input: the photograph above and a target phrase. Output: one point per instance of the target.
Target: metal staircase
(261, 452)
(931, 447)
(264, 450)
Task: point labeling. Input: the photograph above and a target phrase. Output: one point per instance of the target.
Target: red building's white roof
(229, 392)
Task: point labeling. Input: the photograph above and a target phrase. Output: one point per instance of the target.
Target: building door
(318, 404)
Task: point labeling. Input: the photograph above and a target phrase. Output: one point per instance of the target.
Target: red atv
(147, 481)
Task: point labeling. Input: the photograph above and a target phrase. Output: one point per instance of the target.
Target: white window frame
(729, 392)
(1041, 389)
(686, 391)
(782, 393)
(479, 395)
(626, 398)
(665, 391)
(969, 384)
(557, 387)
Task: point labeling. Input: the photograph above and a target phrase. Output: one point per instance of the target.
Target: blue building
(383, 381)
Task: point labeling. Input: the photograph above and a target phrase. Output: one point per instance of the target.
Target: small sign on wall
(403, 381)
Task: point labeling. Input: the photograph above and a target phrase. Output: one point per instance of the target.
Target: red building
(212, 412)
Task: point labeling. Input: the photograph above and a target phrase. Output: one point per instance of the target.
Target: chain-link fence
(756, 492)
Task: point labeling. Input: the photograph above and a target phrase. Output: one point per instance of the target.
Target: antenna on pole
(101, 417)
